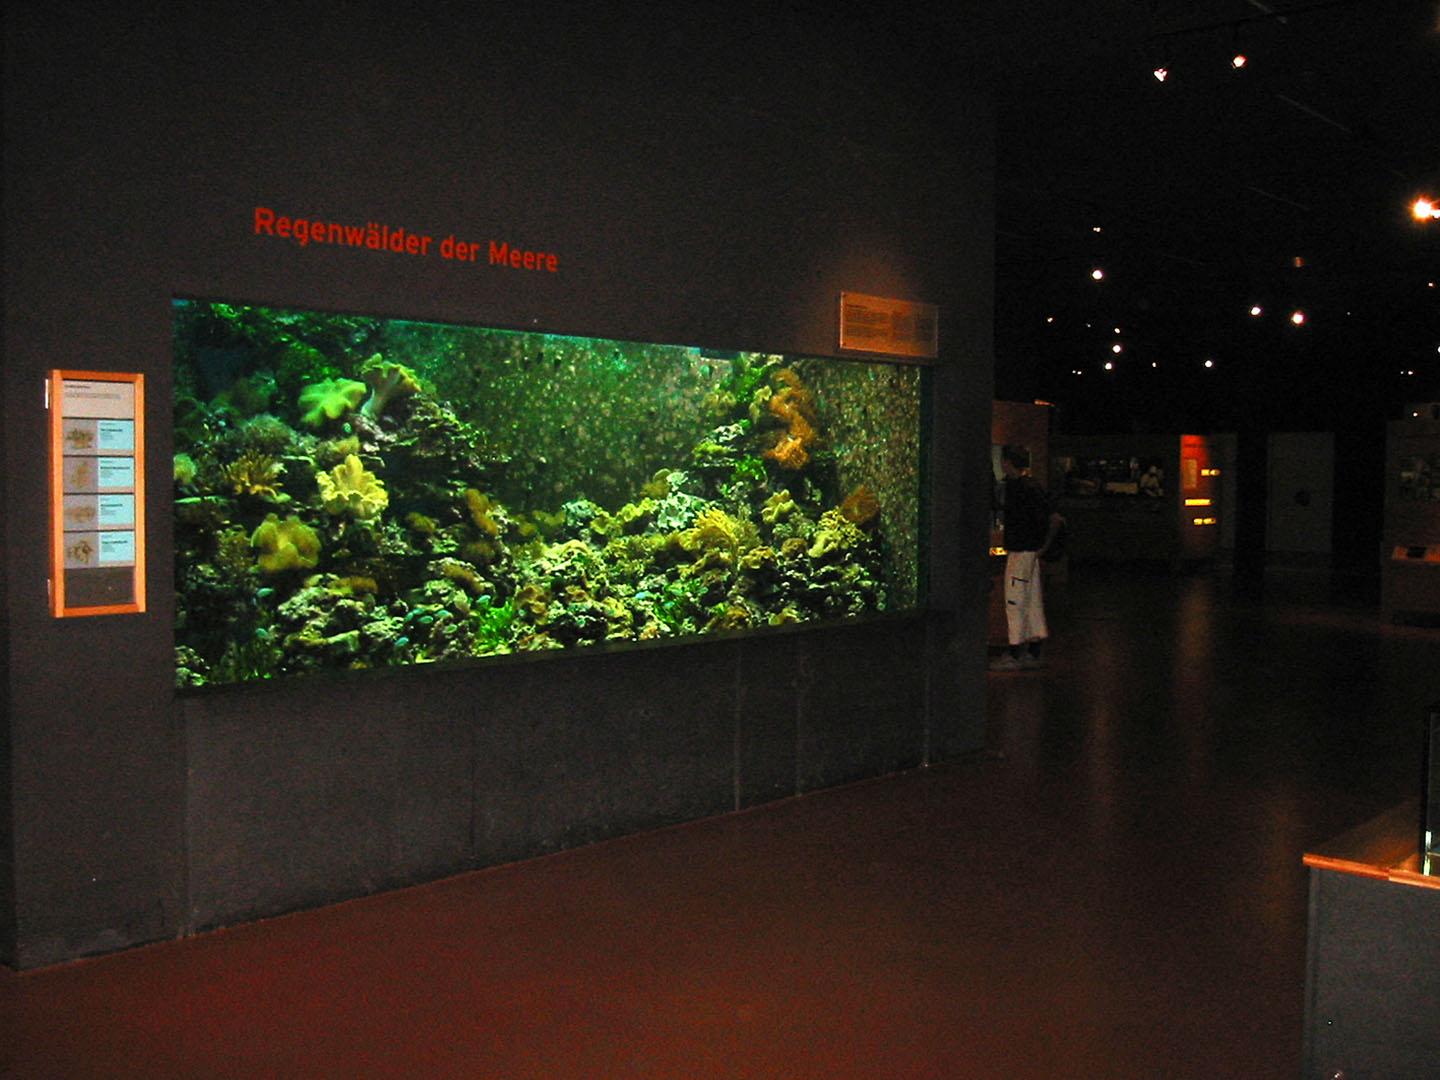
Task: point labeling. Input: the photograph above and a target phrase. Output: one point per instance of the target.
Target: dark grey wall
(715, 178)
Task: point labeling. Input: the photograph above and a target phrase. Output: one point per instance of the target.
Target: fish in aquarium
(354, 492)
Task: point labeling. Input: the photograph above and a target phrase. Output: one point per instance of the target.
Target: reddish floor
(1115, 890)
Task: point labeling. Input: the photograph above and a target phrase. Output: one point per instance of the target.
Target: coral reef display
(357, 492)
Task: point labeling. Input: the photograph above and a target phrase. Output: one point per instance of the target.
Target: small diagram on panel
(79, 436)
(80, 474)
(80, 552)
(80, 514)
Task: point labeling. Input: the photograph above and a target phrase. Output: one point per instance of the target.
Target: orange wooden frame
(56, 398)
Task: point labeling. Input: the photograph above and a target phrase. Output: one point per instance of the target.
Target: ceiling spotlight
(1109, 365)
(1209, 363)
(1161, 73)
(1256, 311)
(1238, 59)
(1425, 209)
(1097, 274)
(1298, 318)
(1049, 318)
(1096, 228)
(1116, 348)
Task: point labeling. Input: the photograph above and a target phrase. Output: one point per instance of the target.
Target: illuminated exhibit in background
(357, 492)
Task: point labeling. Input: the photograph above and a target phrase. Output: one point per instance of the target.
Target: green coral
(233, 553)
(285, 545)
(418, 522)
(748, 470)
(265, 434)
(350, 488)
(329, 400)
(185, 470)
(492, 624)
(387, 381)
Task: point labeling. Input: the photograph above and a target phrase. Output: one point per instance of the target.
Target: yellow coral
(714, 528)
(483, 511)
(254, 473)
(786, 616)
(285, 545)
(731, 617)
(758, 560)
(350, 488)
(533, 599)
(793, 547)
(658, 486)
(354, 585)
(835, 533)
(331, 452)
(777, 507)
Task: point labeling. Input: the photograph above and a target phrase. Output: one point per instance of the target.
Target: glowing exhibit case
(359, 492)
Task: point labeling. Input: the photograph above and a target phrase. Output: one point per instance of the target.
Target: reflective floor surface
(1113, 890)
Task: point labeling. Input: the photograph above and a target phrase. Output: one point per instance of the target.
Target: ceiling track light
(1238, 59)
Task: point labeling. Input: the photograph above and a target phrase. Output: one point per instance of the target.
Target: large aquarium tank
(358, 492)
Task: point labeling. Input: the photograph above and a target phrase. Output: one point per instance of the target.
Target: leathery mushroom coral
(285, 545)
(329, 400)
(350, 488)
(387, 381)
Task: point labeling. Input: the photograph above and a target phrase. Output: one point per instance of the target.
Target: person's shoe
(1031, 662)
(1005, 662)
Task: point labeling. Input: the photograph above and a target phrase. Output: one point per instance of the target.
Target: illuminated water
(355, 492)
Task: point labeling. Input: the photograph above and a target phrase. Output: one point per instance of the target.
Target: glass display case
(1137, 498)
(354, 492)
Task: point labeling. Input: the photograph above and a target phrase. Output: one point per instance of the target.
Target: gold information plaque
(97, 492)
(878, 324)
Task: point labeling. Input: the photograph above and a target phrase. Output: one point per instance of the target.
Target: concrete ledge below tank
(314, 791)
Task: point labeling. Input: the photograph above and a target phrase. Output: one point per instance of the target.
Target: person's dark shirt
(1027, 514)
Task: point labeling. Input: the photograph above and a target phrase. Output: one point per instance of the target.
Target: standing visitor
(1030, 527)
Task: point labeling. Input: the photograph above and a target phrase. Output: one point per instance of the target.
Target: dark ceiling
(1206, 189)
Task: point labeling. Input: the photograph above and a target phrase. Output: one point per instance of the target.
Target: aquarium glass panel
(356, 492)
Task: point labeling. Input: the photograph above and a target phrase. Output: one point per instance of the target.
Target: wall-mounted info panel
(97, 493)
(880, 324)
